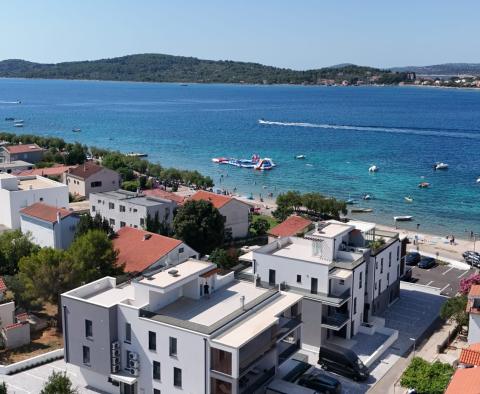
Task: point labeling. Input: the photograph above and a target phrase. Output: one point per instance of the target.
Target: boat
(351, 201)
(220, 160)
(478, 180)
(18, 124)
(265, 164)
(184, 84)
(361, 210)
(136, 154)
(373, 168)
(405, 218)
(9, 119)
(76, 130)
(440, 166)
(18, 120)
(300, 157)
(423, 185)
(408, 199)
(367, 197)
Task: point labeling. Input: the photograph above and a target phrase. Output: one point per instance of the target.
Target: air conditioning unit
(133, 371)
(116, 345)
(133, 364)
(115, 368)
(115, 353)
(115, 360)
(133, 356)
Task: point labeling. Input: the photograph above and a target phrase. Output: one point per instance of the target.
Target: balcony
(336, 321)
(287, 325)
(336, 300)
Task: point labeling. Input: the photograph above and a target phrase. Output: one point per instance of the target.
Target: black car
(321, 383)
(426, 262)
(342, 361)
(297, 371)
(413, 258)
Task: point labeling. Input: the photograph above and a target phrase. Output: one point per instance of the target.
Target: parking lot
(443, 277)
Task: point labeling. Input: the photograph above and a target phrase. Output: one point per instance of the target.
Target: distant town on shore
(168, 68)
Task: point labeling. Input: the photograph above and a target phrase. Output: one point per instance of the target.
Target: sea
(342, 131)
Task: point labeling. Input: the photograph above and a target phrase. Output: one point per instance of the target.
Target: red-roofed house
(235, 212)
(143, 251)
(31, 153)
(471, 355)
(464, 381)
(292, 226)
(55, 171)
(49, 226)
(91, 178)
(164, 194)
(473, 309)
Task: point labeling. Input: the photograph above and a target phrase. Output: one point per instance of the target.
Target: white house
(20, 192)
(235, 212)
(473, 309)
(49, 226)
(185, 330)
(89, 178)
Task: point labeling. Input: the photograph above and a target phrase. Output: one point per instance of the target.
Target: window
(177, 377)
(398, 252)
(355, 305)
(128, 332)
(152, 340)
(122, 224)
(181, 250)
(299, 278)
(134, 210)
(142, 221)
(360, 277)
(341, 282)
(41, 199)
(122, 208)
(156, 391)
(99, 201)
(381, 266)
(88, 328)
(93, 208)
(221, 361)
(388, 278)
(96, 184)
(173, 346)
(112, 222)
(86, 355)
(156, 370)
(379, 286)
(398, 271)
(390, 259)
(111, 205)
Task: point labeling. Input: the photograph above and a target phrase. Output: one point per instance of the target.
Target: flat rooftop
(132, 197)
(222, 303)
(36, 183)
(111, 297)
(364, 227)
(299, 251)
(331, 229)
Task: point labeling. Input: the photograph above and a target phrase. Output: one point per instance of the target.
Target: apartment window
(86, 355)
(388, 278)
(177, 377)
(142, 221)
(96, 184)
(122, 224)
(355, 305)
(152, 340)
(128, 332)
(398, 251)
(111, 205)
(299, 278)
(398, 271)
(134, 210)
(156, 370)
(156, 391)
(360, 280)
(341, 281)
(379, 286)
(173, 346)
(376, 264)
(93, 208)
(181, 250)
(381, 266)
(88, 328)
(122, 208)
(221, 361)
(99, 201)
(112, 222)
(390, 259)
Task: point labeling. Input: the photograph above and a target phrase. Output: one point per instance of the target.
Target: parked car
(413, 258)
(321, 383)
(472, 258)
(298, 370)
(426, 263)
(342, 361)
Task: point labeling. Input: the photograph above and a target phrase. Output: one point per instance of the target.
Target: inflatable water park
(256, 162)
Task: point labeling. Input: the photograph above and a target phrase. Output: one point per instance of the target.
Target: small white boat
(361, 210)
(478, 180)
(441, 166)
(405, 218)
(408, 199)
(350, 201)
(136, 154)
(300, 157)
(367, 197)
(373, 168)
(76, 130)
(18, 124)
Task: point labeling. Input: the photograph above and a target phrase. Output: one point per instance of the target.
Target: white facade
(102, 181)
(474, 328)
(232, 338)
(236, 214)
(19, 192)
(57, 235)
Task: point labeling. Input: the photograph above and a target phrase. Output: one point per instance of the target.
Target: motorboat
(76, 130)
(423, 185)
(408, 199)
(136, 154)
(16, 124)
(373, 168)
(405, 218)
(265, 164)
(220, 160)
(300, 157)
(361, 210)
(367, 197)
(478, 180)
(440, 166)
(351, 201)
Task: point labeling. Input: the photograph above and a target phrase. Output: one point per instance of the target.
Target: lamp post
(414, 342)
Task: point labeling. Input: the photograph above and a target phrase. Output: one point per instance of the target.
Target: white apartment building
(122, 208)
(473, 309)
(185, 330)
(343, 281)
(19, 192)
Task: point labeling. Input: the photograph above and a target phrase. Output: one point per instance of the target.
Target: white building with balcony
(185, 330)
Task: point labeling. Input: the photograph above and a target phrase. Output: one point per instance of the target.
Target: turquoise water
(342, 131)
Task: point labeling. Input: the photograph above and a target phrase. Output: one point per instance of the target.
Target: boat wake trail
(455, 133)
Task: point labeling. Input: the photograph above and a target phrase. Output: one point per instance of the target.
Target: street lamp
(414, 342)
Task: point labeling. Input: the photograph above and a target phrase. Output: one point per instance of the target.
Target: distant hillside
(167, 68)
(443, 69)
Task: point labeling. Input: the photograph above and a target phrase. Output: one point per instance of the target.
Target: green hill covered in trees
(167, 68)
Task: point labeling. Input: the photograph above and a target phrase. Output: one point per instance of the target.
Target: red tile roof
(51, 171)
(471, 355)
(290, 227)
(23, 148)
(474, 291)
(14, 325)
(86, 170)
(138, 253)
(218, 200)
(465, 381)
(3, 286)
(45, 212)
(164, 194)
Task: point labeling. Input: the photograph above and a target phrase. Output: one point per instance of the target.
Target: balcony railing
(287, 352)
(335, 321)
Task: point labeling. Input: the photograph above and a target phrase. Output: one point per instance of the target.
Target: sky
(298, 34)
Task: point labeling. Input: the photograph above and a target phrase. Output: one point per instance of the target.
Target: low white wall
(31, 362)
(393, 336)
(224, 280)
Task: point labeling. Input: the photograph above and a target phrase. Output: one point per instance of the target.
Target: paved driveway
(444, 277)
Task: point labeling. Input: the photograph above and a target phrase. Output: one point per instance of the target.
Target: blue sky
(298, 33)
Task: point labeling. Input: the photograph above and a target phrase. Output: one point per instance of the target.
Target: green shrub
(427, 378)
